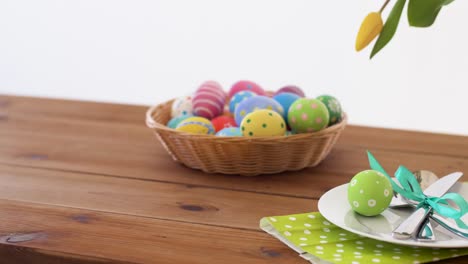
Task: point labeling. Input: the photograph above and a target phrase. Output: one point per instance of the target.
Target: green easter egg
(369, 193)
(334, 108)
(307, 115)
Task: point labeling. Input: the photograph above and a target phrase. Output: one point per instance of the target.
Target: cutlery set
(419, 225)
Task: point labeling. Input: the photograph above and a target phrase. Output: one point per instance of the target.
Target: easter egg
(369, 193)
(286, 100)
(229, 132)
(245, 86)
(221, 122)
(174, 122)
(256, 103)
(291, 89)
(196, 125)
(263, 123)
(211, 85)
(288, 133)
(208, 101)
(334, 108)
(239, 97)
(181, 106)
(307, 115)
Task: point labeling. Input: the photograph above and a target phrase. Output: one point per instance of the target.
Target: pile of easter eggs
(250, 111)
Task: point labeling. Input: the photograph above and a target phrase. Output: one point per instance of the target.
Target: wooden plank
(108, 114)
(138, 135)
(18, 254)
(151, 162)
(73, 110)
(69, 129)
(142, 198)
(406, 141)
(94, 235)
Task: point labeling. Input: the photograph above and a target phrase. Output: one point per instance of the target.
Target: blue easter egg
(176, 120)
(256, 103)
(286, 100)
(239, 97)
(229, 132)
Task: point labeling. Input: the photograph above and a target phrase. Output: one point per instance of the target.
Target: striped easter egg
(212, 85)
(208, 101)
(246, 86)
(196, 125)
(291, 89)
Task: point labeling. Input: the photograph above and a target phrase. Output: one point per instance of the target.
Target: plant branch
(384, 5)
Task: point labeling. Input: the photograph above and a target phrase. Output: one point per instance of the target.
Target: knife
(410, 227)
(461, 232)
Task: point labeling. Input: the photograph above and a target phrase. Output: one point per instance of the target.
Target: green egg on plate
(369, 193)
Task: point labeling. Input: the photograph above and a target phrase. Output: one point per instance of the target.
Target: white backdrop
(145, 52)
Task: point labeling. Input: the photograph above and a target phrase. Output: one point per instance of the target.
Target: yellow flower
(370, 29)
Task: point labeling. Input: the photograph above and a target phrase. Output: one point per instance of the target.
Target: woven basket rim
(153, 124)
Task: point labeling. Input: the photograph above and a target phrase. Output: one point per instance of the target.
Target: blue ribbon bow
(411, 190)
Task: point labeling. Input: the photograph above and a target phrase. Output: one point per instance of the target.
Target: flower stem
(384, 5)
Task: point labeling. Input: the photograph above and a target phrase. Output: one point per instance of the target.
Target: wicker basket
(242, 155)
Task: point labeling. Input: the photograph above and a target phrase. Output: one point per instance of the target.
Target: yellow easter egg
(263, 123)
(196, 125)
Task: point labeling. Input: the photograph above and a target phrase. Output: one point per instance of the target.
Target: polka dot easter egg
(174, 122)
(196, 125)
(221, 122)
(291, 89)
(307, 115)
(181, 106)
(286, 100)
(334, 108)
(229, 132)
(256, 103)
(369, 193)
(246, 86)
(208, 100)
(263, 123)
(239, 97)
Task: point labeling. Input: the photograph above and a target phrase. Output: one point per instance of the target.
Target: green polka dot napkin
(319, 241)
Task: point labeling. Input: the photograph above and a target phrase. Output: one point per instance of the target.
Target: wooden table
(84, 182)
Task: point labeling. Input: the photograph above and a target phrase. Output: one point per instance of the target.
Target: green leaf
(423, 13)
(389, 28)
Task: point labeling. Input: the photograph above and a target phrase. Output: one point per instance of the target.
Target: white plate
(334, 206)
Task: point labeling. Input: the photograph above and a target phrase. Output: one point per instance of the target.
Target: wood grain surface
(86, 182)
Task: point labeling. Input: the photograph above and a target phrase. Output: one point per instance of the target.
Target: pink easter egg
(212, 84)
(207, 90)
(212, 95)
(291, 89)
(208, 102)
(246, 86)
